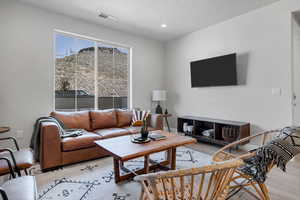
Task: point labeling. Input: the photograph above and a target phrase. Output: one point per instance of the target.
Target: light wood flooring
(282, 185)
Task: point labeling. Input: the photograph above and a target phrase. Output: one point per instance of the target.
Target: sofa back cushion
(80, 119)
(124, 117)
(103, 119)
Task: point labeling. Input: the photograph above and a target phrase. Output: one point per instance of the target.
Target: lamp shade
(159, 95)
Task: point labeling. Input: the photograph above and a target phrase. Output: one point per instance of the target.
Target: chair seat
(85, 140)
(24, 160)
(111, 132)
(22, 188)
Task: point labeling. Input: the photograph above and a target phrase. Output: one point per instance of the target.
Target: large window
(90, 74)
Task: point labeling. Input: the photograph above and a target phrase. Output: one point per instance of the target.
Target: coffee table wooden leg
(117, 170)
(146, 164)
(173, 159)
(169, 157)
(169, 153)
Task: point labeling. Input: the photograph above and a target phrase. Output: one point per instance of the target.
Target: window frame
(96, 42)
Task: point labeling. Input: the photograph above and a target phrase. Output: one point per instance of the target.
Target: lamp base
(158, 109)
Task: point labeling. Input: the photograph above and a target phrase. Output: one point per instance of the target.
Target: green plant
(65, 84)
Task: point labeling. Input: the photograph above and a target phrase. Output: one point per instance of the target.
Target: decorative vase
(144, 129)
(185, 127)
(158, 109)
(190, 129)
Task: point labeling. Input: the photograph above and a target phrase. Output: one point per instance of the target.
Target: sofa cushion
(111, 132)
(136, 129)
(103, 119)
(124, 117)
(79, 119)
(85, 140)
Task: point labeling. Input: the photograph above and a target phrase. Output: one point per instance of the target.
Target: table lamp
(159, 95)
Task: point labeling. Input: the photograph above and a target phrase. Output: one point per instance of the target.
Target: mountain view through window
(90, 75)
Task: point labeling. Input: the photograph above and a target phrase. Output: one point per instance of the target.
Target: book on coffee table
(157, 136)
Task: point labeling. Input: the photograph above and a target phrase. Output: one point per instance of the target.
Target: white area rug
(94, 180)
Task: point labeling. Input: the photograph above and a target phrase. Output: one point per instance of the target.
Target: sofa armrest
(50, 149)
(156, 121)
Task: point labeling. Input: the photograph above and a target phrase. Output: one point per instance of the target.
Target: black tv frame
(234, 79)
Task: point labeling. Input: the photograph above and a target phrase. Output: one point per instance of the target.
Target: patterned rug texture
(94, 180)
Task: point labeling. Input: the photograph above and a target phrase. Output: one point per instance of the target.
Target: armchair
(260, 190)
(208, 182)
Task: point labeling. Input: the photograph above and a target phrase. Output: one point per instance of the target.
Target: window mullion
(76, 78)
(113, 81)
(96, 76)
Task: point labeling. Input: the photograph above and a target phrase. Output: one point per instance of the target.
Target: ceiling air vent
(106, 16)
(103, 15)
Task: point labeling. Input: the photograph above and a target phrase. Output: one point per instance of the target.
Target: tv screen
(218, 71)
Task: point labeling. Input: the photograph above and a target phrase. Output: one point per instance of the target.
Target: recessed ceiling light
(163, 25)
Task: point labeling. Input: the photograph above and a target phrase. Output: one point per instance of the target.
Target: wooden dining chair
(203, 183)
(241, 180)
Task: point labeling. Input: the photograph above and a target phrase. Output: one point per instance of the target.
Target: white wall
(262, 40)
(296, 69)
(27, 65)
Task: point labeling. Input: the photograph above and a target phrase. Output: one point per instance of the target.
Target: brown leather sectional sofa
(99, 125)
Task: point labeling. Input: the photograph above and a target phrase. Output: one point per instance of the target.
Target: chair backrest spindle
(205, 183)
(192, 186)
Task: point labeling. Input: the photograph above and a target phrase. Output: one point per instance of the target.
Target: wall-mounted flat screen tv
(217, 71)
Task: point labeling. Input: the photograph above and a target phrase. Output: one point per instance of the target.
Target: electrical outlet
(276, 91)
(19, 133)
